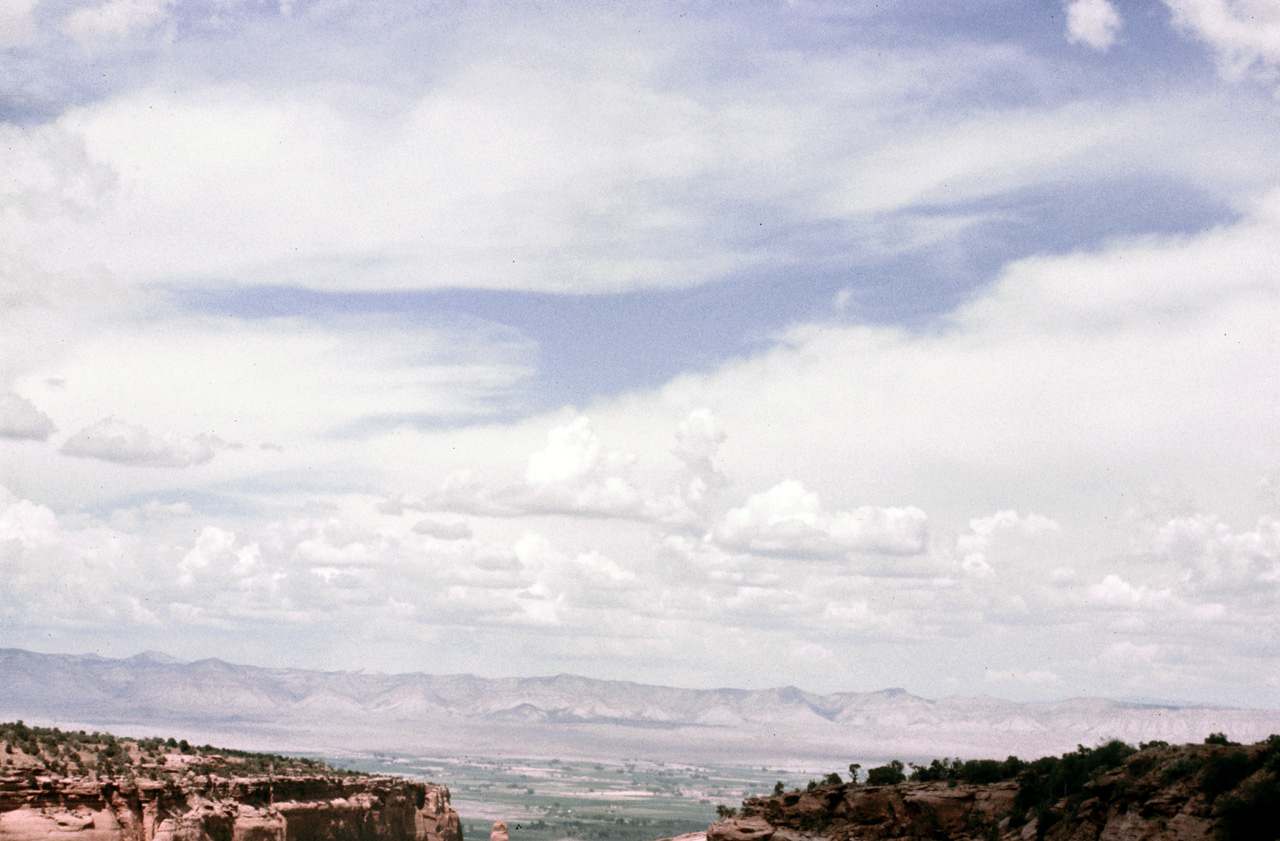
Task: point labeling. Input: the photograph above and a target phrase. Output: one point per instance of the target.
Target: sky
(844, 345)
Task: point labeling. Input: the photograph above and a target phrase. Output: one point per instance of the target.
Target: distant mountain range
(567, 715)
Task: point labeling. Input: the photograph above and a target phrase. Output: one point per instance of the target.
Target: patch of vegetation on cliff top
(72, 753)
(1240, 784)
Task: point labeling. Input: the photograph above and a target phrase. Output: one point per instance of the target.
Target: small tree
(886, 775)
(833, 779)
(854, 768)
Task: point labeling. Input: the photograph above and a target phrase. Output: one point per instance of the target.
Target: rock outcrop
(1210, 792)
(871, 813)
(294, 808)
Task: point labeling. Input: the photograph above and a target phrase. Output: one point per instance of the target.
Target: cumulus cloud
(125, 443)
(1093, 22)
(20, 419)
(1245, 34)
(789, 520)
(1005, 533)
(577, 474)
(1113, 591)
(574, 472)
(1211, 557)
(58, 578)
(212, 546)
(698, 440)
(26, 522)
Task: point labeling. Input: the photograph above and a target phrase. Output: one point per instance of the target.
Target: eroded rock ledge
(1218, 791)
(907, 810)
(294, 808)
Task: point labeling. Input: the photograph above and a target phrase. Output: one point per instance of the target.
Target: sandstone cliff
(1161, 793)
(78, 786)
(203, 808)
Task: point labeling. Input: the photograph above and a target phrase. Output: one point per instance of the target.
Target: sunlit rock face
(291, 808)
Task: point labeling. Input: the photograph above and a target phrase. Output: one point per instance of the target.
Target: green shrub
(1251, 812)
(1224, 771)
(886, 775)
(1045, 781)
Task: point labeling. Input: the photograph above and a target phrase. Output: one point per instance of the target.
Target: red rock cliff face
(1210, 792)
(840, 813)
(212, 809)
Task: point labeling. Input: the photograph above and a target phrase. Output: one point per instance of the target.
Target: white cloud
(1031, 676)
(1114, 591)
(16, 23)
(698, 440)
(24, 521)
(789, 520)
(1211, 558)
(576, 474)
(1126, 653)
(335, 392)
(573, 453)
(1093, 22)
(1003, 533)
(1062, 576)
(20, 419)
(456, 530)
(568, 171)
(847, 615)
(125, 443)
(213, 546)
(1066, 387)
(1245, 34)
(116, 20)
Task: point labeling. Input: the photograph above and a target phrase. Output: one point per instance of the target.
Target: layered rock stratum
(77, 786)
(210, 809)
(1161, 793)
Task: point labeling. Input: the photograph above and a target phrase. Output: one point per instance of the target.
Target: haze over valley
(337, 713)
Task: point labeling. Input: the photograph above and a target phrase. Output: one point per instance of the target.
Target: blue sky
(650, 341)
